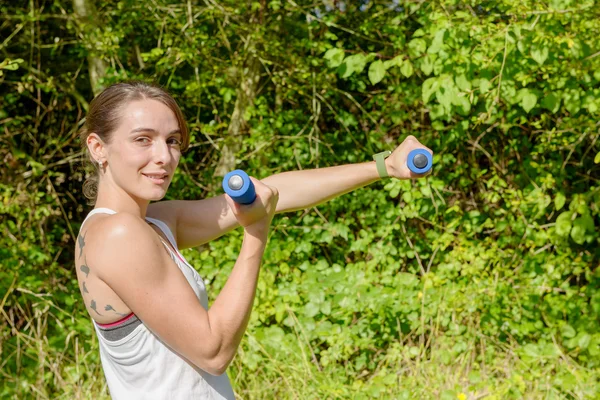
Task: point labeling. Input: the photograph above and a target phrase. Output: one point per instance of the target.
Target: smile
(157, 178)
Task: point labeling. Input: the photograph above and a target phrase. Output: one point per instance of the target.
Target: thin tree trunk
(246, 93)
(85, 11)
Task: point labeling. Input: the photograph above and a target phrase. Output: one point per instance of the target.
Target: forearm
(199, 221)
(231, 310)
(306, 188)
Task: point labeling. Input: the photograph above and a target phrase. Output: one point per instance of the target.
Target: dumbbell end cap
(235, 182)
(420, 161)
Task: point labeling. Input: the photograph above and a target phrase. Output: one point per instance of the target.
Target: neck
(115, 198)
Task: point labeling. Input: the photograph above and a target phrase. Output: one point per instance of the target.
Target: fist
(397, 163)
(256, 217)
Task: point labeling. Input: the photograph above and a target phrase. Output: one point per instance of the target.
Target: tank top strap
(100, 210)
(160, 224)
(164, 228)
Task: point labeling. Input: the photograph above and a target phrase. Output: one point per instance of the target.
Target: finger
(411, 138)
(414, 175)
(274, 190)
(417, 144)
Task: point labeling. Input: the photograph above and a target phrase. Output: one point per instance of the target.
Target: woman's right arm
(138, 270)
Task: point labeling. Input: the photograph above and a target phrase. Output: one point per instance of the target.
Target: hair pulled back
(104, 116)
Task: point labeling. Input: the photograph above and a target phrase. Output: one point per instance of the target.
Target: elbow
(215, 361)
(217, 366)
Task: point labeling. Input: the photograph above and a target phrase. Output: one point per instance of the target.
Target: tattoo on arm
(93, 307)
(81, 241)
(85, 288)
(110, 308)
(84, 268)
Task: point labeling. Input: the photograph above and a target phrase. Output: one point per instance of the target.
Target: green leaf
(563, 223)
(539, 54)
(462, 82)
(311, 309)
(501, 225)
(437, 42)
(583, 340)
(463, 105)
(416, 47)
(11, 67)
(559, 201)
(353, 64)
(334, 57)
(406, 279)
(597, 158)
(394, 62)
(594, 346)
(578, 231)
(447, 95)
(572, 100)
(484, 85)
(586, 221)
(407, 69)
(376, 72)
(275, 5)
(427, 65)
(567, 331)
(551, 102)
(579, 204)
(429, 87)
(528, 101)
(326, 307)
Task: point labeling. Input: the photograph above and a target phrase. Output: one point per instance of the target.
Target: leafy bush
(480, 281)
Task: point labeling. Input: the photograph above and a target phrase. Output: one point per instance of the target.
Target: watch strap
(380, 163)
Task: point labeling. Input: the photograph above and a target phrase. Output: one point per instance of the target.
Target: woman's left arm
(200, 221)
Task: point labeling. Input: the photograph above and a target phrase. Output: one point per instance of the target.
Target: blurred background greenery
(479, 282)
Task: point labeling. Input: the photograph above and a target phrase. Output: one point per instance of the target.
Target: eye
(175, 141)
(142, 140)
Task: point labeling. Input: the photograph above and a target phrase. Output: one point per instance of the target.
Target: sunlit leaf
(539, 54)
(376, 72)
(407, 69)
(334, 57)
(563, 223)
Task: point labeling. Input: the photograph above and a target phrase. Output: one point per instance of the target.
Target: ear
(96, 147)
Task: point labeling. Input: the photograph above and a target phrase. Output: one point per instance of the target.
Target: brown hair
(104, 116)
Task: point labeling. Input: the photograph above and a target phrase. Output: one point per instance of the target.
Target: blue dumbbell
(239, 187)
(420, 161)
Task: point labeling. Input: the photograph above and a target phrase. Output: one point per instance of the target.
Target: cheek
(134, 158)
(176, 155)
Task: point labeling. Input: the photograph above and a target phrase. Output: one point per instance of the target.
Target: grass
(48, 353)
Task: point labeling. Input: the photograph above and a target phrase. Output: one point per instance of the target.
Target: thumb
(235, 207)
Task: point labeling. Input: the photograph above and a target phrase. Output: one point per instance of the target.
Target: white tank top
(141, 366)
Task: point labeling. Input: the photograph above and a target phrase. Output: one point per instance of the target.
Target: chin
(151, 195)
(157, 196)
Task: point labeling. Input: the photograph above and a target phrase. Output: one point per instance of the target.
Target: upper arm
(140, 272)
(195, 222)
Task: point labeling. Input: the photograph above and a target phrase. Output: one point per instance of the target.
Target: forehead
(148, 114)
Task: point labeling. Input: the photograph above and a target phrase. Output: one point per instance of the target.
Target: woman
(158, 337)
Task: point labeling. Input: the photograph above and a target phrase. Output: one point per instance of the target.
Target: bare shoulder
(118, 240)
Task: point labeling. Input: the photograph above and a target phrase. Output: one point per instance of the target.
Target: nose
(162, 153)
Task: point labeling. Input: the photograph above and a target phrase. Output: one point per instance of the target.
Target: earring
(100, 163)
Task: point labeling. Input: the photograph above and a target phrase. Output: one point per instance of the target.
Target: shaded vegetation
(479, 282)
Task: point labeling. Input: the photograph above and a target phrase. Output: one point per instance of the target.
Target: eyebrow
(137, 130)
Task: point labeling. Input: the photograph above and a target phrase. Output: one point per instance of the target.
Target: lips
(157, 178)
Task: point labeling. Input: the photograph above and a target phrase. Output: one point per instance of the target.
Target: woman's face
(144, 150)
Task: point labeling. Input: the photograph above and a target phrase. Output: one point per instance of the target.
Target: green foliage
(480, 281)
